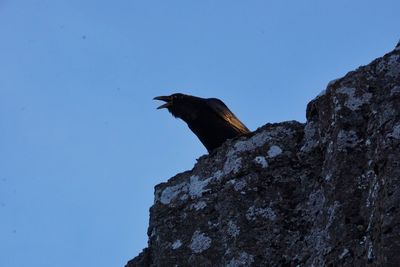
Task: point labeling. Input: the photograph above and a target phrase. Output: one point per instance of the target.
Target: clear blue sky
(81, 143)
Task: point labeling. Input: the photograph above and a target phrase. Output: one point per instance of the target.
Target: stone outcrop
(323, 193)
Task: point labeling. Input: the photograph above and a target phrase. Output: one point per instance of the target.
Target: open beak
(166, 99)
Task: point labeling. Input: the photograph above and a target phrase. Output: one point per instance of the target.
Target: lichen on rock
(322, 193)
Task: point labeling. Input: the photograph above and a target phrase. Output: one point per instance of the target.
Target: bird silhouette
(208, 118)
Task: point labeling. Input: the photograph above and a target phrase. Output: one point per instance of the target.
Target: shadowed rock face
(324, 193)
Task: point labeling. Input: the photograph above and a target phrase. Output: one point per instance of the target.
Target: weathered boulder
(323, 193)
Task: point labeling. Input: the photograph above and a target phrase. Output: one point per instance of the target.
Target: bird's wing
(223, 111)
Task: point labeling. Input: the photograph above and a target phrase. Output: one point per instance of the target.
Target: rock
(323, 193)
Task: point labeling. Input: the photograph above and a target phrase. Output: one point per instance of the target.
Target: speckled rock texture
(323, 193)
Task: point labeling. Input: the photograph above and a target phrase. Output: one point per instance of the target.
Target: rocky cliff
(323, 193)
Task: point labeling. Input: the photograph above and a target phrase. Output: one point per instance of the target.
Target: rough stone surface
(323, 193)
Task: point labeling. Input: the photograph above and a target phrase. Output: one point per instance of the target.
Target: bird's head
(179, 105)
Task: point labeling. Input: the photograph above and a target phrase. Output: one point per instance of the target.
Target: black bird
(208, 118)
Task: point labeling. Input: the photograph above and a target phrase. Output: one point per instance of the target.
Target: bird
(208, 118)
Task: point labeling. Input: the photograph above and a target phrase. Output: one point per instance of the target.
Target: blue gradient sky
(81, 143)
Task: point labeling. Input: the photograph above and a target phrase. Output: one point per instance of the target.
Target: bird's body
(208, 118)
